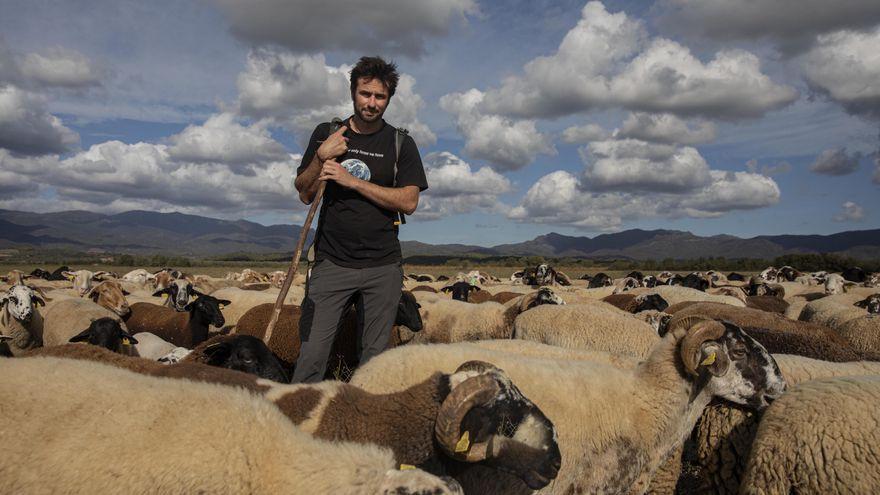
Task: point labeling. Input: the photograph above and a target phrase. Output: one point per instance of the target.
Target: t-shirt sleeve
(318, 136)
(410, 171)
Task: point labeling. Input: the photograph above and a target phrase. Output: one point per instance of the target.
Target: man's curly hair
(375, 68)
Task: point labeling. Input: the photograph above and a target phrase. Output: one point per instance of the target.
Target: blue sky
(715, 116)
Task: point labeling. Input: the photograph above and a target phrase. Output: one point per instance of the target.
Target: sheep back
(598, 327)
(674, 294)
(258, 450)
(771, 304)
(65, 318)
(819, 437)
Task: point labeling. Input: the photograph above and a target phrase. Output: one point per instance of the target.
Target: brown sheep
(183, 329)
(504, 296)
(426, 288)
(479, 297)
(771, 304)
(779, 334)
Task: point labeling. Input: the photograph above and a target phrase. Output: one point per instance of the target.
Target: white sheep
(20, 319)
(597, 327)
(615, 425)
(819, 437)
(855, 324)
(448, 320)
(114, 431)
(724, 435)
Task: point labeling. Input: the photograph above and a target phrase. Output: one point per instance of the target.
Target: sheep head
(732, 365)
(486, 418)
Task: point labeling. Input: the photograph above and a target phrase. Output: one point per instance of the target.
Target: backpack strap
(399, 137)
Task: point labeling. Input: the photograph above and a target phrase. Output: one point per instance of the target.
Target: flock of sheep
(539, 383)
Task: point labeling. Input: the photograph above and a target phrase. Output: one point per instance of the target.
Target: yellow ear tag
(406, 467)
(125, 341)
(710, 359)
(164, 296)
(464, 443)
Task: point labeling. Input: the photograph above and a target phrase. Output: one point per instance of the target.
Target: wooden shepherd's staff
(294, 264)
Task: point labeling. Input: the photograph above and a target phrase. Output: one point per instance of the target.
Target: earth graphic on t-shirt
(357, 168)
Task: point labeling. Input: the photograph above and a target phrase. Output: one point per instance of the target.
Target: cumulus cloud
(61, 67)
(607, 60)
(58, 67)
(223, 140)
(631, 165)
(792, 24)
(27, 128)
(666, 128)
(768, 170)
(114, 176)
(850, 212)
(301, 91)
(562, 198)
(584, 134)
(307, 26)
(845, 66)
(457, 188)
(836, 162)
(508, 144)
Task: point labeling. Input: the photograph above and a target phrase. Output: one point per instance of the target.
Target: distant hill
(144, 232)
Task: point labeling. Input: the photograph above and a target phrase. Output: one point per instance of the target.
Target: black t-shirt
(352, 231)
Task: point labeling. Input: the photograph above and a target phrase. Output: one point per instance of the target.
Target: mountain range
(145, 232)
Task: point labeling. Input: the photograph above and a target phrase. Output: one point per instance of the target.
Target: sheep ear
(217, 354)
(37, 300)
(162, 291)
(474, 287)
(714, 359)
(127, 339)
(861, 304)
(125, 292)
(448, 288)
(82, 336)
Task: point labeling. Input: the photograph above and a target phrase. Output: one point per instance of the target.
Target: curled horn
(468, 394)
(698, 333)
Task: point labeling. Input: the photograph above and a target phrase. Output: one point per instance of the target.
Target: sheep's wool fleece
(81, 427)
(597, 327)
(820, 437)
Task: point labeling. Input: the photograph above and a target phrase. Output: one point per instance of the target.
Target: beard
(373, 117)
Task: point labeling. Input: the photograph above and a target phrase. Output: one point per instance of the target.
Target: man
(357, 253)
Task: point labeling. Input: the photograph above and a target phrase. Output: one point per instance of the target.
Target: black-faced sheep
(107, 333)
(424, 424)
(460, 290)
(870, 304)
(187, 329)
(615, 425)
(241, 353)
(632, 303)
(249, 438)
(600, 280)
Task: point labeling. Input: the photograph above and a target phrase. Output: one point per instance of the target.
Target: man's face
(370, 99)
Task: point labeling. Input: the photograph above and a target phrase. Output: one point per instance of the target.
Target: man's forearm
(401, 199)
(307, 182)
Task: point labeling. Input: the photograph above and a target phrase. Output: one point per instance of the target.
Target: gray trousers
(331, 288)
